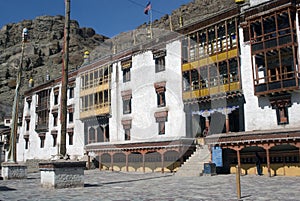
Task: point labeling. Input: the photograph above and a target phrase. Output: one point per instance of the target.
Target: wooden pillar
(126, 158)
(227, 123)
(143, 154)
(268, 162)
(238, 157)
(162, 154)
(162, 163)
(112, 161)
(89, 163)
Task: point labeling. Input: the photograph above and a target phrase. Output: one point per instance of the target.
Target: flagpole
(151, 35)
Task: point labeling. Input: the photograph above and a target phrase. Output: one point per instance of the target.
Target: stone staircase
(193, 166)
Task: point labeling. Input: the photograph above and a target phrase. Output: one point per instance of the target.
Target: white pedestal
(62, 174)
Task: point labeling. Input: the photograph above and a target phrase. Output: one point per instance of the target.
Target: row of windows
(160, 65)
(96, 100)
(219, 38)
(56, 95)
(45, 124)
(43, 138)
(274, 54)
(271, 26)
(209, 76)
(96, 77)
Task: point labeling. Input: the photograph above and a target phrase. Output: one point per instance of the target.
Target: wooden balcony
(233, 86)
(97, 110)
(94, 89)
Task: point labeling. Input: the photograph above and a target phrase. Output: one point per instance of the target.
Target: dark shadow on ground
(91, 185)
(5, 188)
(246, 196)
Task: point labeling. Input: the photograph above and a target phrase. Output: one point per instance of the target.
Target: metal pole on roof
(12, 151)
(64, 81)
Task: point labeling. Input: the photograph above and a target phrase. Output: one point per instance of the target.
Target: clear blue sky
(107, 17)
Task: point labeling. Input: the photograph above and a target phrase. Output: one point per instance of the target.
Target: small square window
(71, 117)
(42, 145)
(70, 138)
(161, 128)
(127, 106)
(127, 134)
(161, 100)
(55, 99)
(160, 64)
(126, 75)
(71, 92)
(26, 143)
(282, 115)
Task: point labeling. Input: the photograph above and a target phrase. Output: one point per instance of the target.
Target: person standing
(258, 164)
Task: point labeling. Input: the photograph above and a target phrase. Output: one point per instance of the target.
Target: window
(42, 140)
(161, 119)
(127, 134)
(54, 136)
(126, 75)
(126, 65)
(126, 97)
(161, 128)
(26, 143)
(161, 100)
(127, 106)
(160, 63)
(127, 126)
(42, 111)
(70, 134)
(282, 115)
(71, 116)
(56, 92)
(281, 104)
(27, 125)
(55, 118)
(29, 100)
(71, 92)
(92, 135)
(160, 89)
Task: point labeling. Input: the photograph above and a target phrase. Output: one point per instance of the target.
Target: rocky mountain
(43, 51)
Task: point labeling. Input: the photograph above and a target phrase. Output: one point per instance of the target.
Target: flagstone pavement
(134, 186)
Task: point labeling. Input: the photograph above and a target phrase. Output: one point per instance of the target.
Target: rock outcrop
(44, 51)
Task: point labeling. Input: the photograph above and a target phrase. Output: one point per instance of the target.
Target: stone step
(194, 165)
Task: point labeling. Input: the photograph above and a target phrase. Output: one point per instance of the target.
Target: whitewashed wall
(256, 2)
(144, 98)
(34, 150)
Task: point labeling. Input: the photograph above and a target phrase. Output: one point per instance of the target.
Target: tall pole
(64, 81)
(12, 151)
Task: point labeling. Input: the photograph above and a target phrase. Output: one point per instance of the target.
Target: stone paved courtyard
(121, 186)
